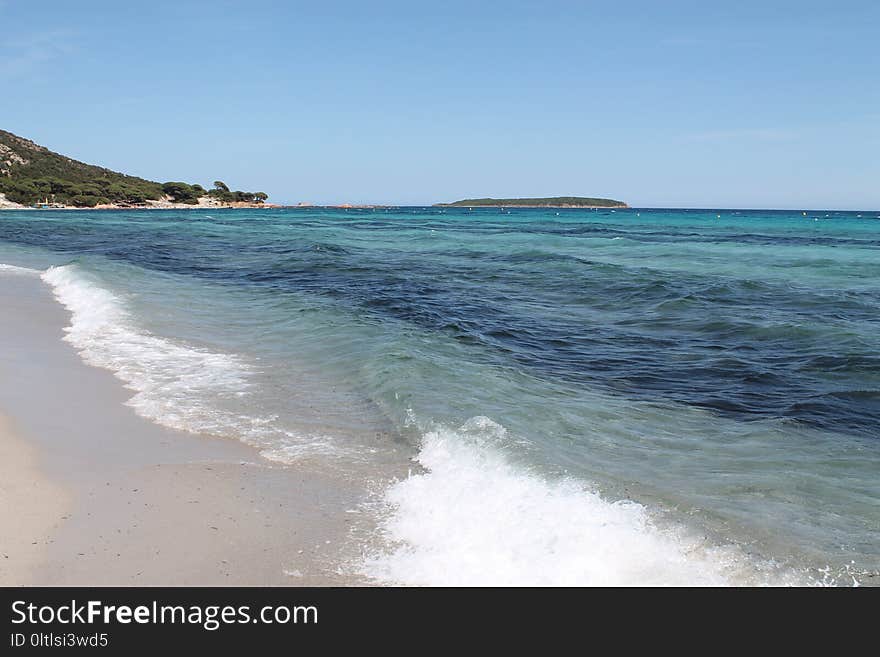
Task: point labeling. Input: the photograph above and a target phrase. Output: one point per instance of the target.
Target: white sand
(31, 507)
(100, 496)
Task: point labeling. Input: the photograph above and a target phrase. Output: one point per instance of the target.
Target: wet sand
(92, 494)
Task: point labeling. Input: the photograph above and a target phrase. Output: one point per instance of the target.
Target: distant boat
(45, 205)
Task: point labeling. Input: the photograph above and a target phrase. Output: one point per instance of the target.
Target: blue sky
(684, 104)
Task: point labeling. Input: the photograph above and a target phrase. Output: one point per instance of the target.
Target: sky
(660, 104)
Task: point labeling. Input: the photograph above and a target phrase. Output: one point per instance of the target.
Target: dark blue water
(672, 310)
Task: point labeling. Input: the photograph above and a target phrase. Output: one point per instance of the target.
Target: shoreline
(489, 485)
(117, 208)
(105, 497)
(208, 204)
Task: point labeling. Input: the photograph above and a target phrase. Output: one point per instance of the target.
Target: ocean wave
(175, 385)
(474, 518)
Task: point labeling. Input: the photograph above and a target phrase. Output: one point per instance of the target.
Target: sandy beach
(31, 506)
(92, 494)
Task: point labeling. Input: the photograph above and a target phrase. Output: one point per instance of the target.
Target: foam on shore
(175, 384)
(18, 271)
(474, 518)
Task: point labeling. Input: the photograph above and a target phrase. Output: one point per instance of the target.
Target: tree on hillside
(37, 173)
(223, 194)
(181, 192)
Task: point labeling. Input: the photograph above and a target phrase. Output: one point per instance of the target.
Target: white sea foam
(18, 271)
(473, 518)
(175, 384)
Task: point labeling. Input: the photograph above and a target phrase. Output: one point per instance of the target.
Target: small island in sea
(32, 176)
(551, 202)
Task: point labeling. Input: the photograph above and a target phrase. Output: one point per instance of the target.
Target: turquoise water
(639, 396)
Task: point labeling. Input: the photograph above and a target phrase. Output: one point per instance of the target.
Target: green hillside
(551, 202)
(30, 173)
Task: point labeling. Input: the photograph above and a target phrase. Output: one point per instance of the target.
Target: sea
(580, 396)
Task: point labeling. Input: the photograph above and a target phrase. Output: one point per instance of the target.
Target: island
(551, 202)
(32, 176)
